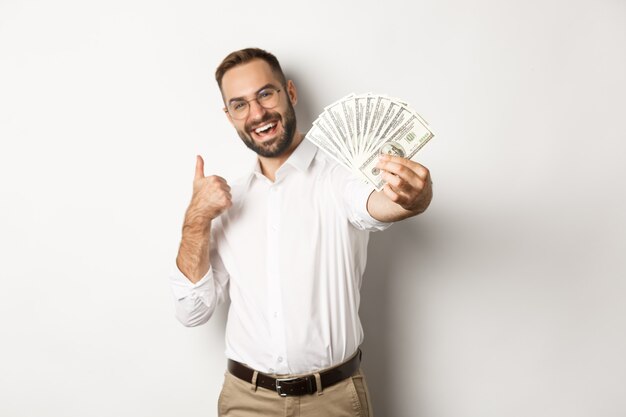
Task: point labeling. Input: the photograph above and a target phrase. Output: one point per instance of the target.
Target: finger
(225, 196)
(226, 201)
(399, 184)
(416, 167)
(199, 168)
(220, 179)
(216, 180)
(401, 170)
(391, 194)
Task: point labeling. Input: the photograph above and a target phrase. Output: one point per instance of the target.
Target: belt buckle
(280, 381)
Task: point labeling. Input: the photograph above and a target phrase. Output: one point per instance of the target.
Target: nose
(256, 110)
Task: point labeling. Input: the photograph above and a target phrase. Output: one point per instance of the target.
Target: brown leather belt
(297, 386)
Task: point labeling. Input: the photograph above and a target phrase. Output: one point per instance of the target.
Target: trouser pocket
(361, 395)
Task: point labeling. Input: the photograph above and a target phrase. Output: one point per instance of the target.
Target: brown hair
(246, 55)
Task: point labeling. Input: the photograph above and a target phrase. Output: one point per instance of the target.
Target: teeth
(265, 127)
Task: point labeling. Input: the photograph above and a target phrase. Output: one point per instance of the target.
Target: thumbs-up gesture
(211, 196)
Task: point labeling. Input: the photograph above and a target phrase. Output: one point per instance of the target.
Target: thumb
(199, 168)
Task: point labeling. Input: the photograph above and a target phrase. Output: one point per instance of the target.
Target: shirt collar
(300, 159)
(302, 156)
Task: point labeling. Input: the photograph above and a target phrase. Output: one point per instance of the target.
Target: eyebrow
(268, 85)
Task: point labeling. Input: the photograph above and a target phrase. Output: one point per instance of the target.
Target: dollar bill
(316, 136)
(404, 142)
(355, 129)
(333, 134)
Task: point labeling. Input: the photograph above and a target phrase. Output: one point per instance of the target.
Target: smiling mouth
(266, 130)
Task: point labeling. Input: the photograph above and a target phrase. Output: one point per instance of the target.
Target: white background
(507, 298)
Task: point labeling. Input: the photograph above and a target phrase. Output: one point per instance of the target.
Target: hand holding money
(408, 183)
(356, 129)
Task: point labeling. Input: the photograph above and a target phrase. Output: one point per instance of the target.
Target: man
(287, 243)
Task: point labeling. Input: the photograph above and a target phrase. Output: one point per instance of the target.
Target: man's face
(268, 132)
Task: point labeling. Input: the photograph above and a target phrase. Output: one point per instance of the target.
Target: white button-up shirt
(290, 254)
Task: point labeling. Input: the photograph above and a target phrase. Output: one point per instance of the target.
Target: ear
(230, 119)
(225, 109)
(292, 92)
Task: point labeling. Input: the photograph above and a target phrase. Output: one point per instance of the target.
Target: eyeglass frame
(267, 87)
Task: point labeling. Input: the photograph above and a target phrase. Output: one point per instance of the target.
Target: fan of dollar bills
(356, 129)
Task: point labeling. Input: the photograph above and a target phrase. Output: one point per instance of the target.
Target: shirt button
(280, 359)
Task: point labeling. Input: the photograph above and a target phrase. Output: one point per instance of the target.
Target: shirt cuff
(359, 195)
(183, 288)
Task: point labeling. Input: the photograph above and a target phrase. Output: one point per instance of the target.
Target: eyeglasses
(267, 98)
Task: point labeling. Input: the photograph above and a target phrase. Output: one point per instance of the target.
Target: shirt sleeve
(195, 303)
(356, 195)
(355, 192)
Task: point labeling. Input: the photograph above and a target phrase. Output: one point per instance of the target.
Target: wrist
(196, 226)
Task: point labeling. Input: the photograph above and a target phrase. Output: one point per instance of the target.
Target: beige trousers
(348, 398)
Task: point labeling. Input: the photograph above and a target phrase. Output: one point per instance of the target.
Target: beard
(278, 145)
